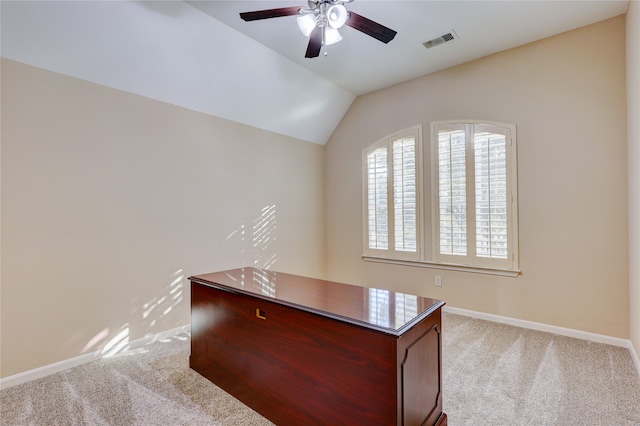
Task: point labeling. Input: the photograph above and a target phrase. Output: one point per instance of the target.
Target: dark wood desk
(302, 351)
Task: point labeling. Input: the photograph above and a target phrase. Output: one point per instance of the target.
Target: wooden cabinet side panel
(293, 367)
(421, 379)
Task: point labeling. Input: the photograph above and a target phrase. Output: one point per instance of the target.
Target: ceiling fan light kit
(321, 22)
(306, 23)
(337, 15)
(331, 36)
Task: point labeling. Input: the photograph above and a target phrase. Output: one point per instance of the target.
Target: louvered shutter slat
(491, 195)
(452, 192)
(377, 199)
(405, 194)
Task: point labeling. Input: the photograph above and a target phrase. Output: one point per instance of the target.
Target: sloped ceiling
(201, 56)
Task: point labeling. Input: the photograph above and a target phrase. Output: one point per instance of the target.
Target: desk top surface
(374, 308)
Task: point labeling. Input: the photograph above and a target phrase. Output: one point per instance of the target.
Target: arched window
(392, 196)
(465, 217)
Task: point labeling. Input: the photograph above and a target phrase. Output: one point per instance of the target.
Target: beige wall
(633, 124)
(110, 201)
(566, 94)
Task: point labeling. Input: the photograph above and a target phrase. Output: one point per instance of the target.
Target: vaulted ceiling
(200, 55)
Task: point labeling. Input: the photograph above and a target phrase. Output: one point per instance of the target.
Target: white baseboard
(47, 370)
(634, 356)
(569, 332)
(57, 367)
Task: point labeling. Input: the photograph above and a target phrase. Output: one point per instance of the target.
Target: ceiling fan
(321, 21)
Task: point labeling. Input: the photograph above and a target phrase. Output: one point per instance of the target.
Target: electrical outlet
(438, 281)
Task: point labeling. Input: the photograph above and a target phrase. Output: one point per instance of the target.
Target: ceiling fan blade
(315, 43)
(370, 27)
(270, 13)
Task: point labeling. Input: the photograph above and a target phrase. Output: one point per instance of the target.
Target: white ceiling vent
(450, 36)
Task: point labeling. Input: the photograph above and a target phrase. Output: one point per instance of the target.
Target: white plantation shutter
(452, 192)
(475, 172)
(392, 197)
(490, 151)
(471, 220)
(378, 209)
(405, 194)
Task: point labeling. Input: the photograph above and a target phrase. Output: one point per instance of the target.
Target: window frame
(391, 253)
(471, 259)
(427, 238)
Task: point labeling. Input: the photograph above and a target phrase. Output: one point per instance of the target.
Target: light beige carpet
(493, 374)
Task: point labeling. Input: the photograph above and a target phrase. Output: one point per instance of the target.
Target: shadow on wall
(257, 246)
(257, 241)
(153, 315)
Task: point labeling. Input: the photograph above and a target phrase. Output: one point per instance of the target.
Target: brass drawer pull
(261, 314)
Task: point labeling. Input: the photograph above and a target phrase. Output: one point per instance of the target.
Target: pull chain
(324, 42)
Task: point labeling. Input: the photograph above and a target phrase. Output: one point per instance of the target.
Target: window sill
(474, 269)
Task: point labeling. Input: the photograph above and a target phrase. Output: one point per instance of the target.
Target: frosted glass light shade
(331, 36)
(337, 16)
(306, 23)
